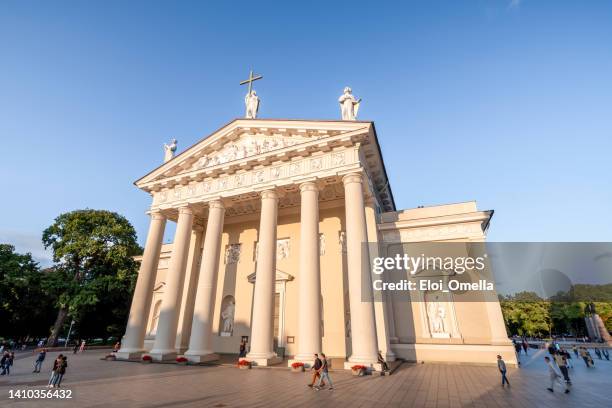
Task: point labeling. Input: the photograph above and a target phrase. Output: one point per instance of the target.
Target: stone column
(200, 343)
(363, 323)
(309, 296)
(132, 344)
(262, 324)
(165, 338)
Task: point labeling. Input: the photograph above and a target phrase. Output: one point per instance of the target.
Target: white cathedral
(271, 217)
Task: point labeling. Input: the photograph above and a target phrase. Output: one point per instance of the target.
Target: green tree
(94, 271)
(25, 307)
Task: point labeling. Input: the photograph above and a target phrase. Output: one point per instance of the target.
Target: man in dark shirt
(317, 368)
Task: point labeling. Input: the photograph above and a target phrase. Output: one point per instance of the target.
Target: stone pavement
(96, 383)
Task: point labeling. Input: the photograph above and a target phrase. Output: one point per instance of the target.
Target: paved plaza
(97, 383)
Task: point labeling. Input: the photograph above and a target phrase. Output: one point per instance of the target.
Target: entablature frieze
(246, 183)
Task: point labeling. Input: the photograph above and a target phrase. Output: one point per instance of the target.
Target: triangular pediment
(248, 139)
(280, 276)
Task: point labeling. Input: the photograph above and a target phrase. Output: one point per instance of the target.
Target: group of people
(321, 372)
(57, 372)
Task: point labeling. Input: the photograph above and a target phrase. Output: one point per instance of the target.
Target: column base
(263, 359)
(129, 354)
(201, 357)
(163, 355)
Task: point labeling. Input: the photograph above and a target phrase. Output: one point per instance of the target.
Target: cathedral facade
(271, 220)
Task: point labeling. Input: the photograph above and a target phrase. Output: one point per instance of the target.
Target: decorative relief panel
(417, 234)
(232, 253)
(260, 176)
(283, 249)
(246, 147)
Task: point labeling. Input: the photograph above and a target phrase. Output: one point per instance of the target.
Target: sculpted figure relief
(349, 106)
(228, 317)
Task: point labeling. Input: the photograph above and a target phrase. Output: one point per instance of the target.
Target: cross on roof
(251, 80)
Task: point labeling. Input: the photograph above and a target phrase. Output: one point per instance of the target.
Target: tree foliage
(526, 313)
(94, 270)
(26, 307)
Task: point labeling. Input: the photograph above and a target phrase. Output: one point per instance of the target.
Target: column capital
(217, 203)
(185, 210)
(309, 186)
(157, 215)
(269, 194)
(353, 178)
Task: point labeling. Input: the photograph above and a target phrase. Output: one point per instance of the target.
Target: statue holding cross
(251, 100)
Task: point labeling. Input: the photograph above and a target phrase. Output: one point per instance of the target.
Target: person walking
(598, 352)
(39, 360)
(242, 349)
(583, 355)
(575, 350)
(82, 348)
(62, 370)
(568, 358)
(324, 374)
(4, 362)
(316, 367)
(55, 371)
(606, 354)
(501, 365)
(561, 362)
(76, 347)
(525, 346)
(554, 376)
(9, 362)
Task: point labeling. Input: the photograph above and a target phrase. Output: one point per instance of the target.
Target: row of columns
(363, 325)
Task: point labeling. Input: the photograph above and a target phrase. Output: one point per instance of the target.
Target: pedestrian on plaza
(589, 357)
(76, 347)
(583, 355)
(501, 365)
(324, 372)
(242, 349)
(82, 348)
(62, 370)
(568, 358)
(116, 347)
(525, 346)
(606, 354)
(382, 361)
(561, 361)
(39, 360)
(575, 350)
(8, 362)
(517, 348)
(55, 371)
(316, 367)
(598, 352)
(554, 377)
(4, 362)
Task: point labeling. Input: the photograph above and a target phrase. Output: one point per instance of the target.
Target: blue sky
(505, 102)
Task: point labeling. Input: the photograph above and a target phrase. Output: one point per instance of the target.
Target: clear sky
(506, 102)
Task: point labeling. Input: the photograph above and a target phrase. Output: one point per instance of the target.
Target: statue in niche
(169, 150)
(227, 316)
(436, 315)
